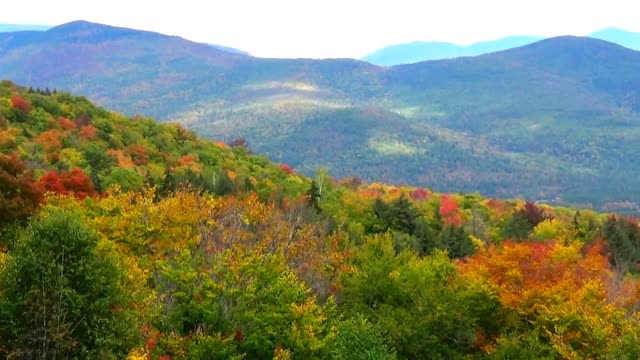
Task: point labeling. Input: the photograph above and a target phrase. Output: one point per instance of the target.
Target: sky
(333, 28)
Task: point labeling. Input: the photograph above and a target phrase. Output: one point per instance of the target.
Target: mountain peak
(82, 29)
(77, 24)
(569, 54)
(581, 44)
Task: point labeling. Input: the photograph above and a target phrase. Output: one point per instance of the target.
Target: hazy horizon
(334, 29)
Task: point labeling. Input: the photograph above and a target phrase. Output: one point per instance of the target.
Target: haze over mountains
(22, 27)
(423, 51)
(408, 53)
(434, 50)
(558, 118)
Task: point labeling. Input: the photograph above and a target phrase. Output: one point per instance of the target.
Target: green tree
(623, 237)
(515, 227)
(358, 339)
(455, 241)
(99, 162)
(313, 195)
(256, 299)
(523, 347)
(399, 215)
(60, 297)
(421, 304)
(127, 179)
(222, 184)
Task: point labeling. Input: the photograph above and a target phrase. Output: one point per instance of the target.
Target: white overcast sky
(334, 28)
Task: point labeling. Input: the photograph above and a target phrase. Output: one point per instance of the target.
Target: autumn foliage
(533, 214)
(448, 211)
(20, 195)
(565, 291)
(67, 124)
(20, 103)
(138, 153)
(286, 168)
(210, 251)
(74, 183)
(87, 132)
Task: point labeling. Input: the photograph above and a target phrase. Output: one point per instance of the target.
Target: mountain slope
(128, 63)
(423, 51)
(618, 36)
(557, 118)
(59, 134)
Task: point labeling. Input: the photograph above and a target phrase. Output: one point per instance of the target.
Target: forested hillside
(554, 120)
(123, 238)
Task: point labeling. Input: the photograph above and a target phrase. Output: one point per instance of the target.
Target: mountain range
(22, 27)
(423, 51)
(554, 120)
(6, 28)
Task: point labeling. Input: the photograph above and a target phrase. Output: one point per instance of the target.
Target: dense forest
(124, 238)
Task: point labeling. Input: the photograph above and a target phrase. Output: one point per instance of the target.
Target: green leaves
(255, 299)
(394, 290)
(59, 297)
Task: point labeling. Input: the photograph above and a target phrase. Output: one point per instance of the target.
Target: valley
(554, 120)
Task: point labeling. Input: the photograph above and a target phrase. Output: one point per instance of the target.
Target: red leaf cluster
(448, 206)
(286, 168)
(138, 153)
(20, 195)
(74, 183)
(20, 103)
(449, 211)
(88, 132)
(185, 160)
(533, 214)
(67, 124)
(50, 139)
(419, 194)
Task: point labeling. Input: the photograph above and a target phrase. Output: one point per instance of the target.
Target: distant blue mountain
(421, 51)
(625, 38)
(22, 27)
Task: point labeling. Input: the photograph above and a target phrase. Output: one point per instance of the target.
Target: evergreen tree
(399, 215)
(313, 195)
(623, 237)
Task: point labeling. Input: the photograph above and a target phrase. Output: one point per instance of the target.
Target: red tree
(20, 103)
(449, 211)
(67, 124)
(138, 153)
(533, 214)
(74, 183)
(20, 196)
(287, 169)
(88, 132)
(419, 194)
